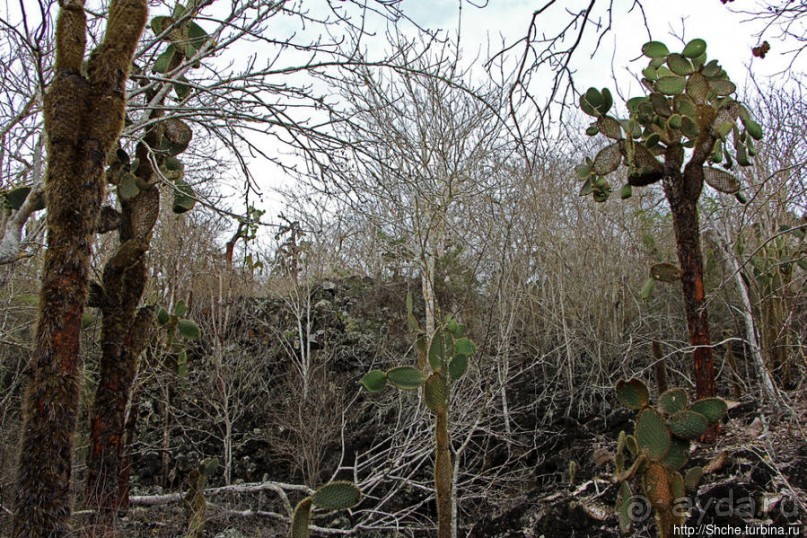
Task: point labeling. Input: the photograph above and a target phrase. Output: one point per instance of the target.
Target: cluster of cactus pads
(337, 495)
(447, 352)
(688, 96)
(660, 447)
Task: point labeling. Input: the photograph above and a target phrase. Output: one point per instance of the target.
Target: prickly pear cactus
(442, 360)
(338, 495)
(689, 99)
(447, 353)
(659, 447)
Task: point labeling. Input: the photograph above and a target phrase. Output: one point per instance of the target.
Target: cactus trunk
(83, 119)
(124, 334)
(683, 191)
(442, 474)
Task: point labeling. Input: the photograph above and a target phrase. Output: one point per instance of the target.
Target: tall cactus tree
(442, 360)
(84, 115)
(126, 327)
(691, 121)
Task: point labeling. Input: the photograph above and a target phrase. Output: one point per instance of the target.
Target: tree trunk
(124, 334)
(682, 192)
(443, 474)
(83, 119)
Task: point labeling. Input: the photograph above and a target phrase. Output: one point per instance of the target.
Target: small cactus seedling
(659, 447)
(338, 495)
(687, 123)
(446, 353)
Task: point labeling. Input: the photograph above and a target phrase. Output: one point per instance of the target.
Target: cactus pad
(678, 455)
(458, 366)
(655, 49)
(714, 409)
(632, 393)
(644, 169)
(652, 434)
(405, 377)
(693, 478)
(437, 350)
(608, 159)
(694, 48)
(374, 381)
(610, 127)
(435, 392)
(301, 519)
(677, 487)
(623, 503)
(721, 181)
(339, 495)
(463, 346)
(688, 424)
(672, 401)
(656, 482)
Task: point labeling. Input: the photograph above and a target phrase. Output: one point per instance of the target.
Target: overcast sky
(730, 39)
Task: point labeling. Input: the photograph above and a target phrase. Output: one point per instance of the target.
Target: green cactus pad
(458, 366)
(338, 495)
(722, 88)
(626, 191)
(619, 463)
(698, 88)
(591, 101)
(163, 316)
(693, 478)
(620, 442)
(435, 392)
(645, 168)
(694, 48)
(608, 159)
(374, 381)
(665, 272)
(630, 444)
(583, 171)
(632, 393)
(754, 129)
(464, 346)
(671, 85)
(721, 181)
(405, 377)
(208, 466)
(623, 504)
(672, 401)
(647, 289)
(655, 49)
(679, 65)
(184, 197)
(188, 329)
(677, 486)
(652, 434)
(610, 127)
(714, 409)
(683, 105)
(301, 519)
(688, 424)
(437, 350)
(678, 455)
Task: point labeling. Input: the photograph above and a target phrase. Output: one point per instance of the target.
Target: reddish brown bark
(124, 334)
(683, 191)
